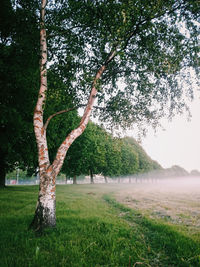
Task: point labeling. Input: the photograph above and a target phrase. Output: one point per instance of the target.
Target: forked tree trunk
(45, 210)
(45, 215)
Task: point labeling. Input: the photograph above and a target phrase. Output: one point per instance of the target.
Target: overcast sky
(179, 144)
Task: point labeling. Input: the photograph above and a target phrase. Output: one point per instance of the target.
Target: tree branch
(65, 111)
(62, 150)
(111, 56)
(146, 20)
(61, 32)
(57, 113)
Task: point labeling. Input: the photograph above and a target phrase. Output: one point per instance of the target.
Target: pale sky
(179, 144)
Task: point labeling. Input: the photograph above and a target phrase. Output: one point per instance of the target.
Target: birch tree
(46, 205)
(139, 43)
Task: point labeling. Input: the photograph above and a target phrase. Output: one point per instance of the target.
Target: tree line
(98, 152)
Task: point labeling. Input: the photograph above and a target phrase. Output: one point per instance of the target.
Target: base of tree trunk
(74, 180)
(43, 218)
(2, 176)
(91, 177)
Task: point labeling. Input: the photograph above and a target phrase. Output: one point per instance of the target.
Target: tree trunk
(2, 175)
(74, 179)
(45, 210)
(45, 215)
(2, 169)
(91, 177)
(106, 179)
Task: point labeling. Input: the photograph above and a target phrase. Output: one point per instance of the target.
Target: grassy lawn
(93, 229)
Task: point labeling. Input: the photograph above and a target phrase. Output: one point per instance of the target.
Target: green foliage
(19, 71)
(59, 98)
(129, 159)
(113, 157)
(16, 173)
(98, 151)
(153, 54)
(140, 84)
(145, 162)
(87, 153)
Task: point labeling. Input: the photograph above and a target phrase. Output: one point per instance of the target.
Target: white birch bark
(45, 210)
(40, 132)
(46, 206)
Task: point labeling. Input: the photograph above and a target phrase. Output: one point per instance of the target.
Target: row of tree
(177, 171)
(98, 152)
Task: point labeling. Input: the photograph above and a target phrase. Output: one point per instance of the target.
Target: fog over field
(175, 200)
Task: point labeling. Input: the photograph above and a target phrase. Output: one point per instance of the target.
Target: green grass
(92, 230)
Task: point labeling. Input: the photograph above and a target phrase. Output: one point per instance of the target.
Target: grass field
(103, 225)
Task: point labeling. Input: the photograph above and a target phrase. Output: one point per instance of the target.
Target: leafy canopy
(155, 45)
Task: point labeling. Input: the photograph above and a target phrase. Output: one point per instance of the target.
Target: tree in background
(129, 159)
(175, 171)
(87, 154)
(145, 163)
(76, 160)
(94, 147)
(112, 157)
(101, 43)
(19, 79)
(195, 173)
(98, 152)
